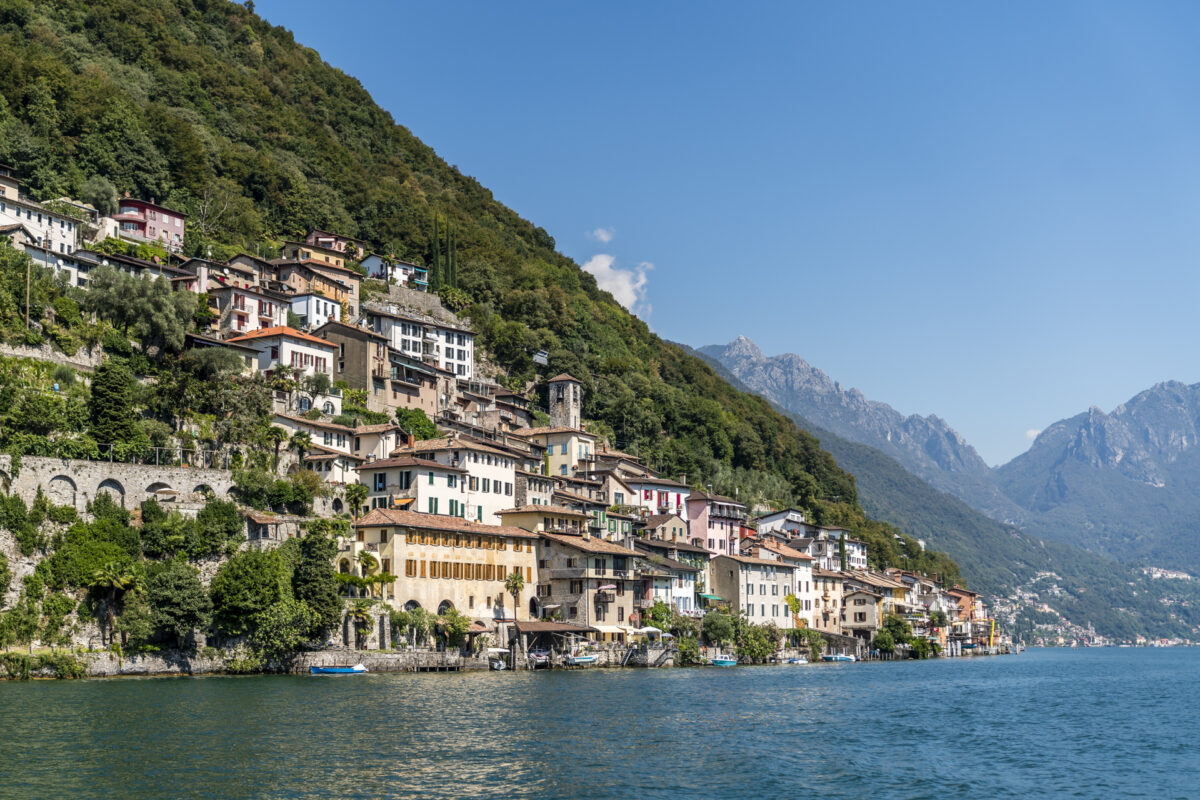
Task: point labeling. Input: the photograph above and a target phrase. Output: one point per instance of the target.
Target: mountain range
(1120, 484)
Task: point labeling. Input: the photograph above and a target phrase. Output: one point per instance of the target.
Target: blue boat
(837, 657)
(579, 661)
(357, 669)
(724, 662)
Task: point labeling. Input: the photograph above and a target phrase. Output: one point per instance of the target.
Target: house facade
(143, 221)
(287, 348)
(444, 562)
(755, 586)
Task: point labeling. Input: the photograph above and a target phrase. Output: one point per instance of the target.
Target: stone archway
(61, 491)
(344, 566)
(160, 491)
(411, 604)
(113, 487)
(445, 606)
(205, 490)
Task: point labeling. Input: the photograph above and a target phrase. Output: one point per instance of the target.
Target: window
(433, 505)
(380, 481)
(452, 481)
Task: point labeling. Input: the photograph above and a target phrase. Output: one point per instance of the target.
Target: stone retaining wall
(84, 359)
(70, 482)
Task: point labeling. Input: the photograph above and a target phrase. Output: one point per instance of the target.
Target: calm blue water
(1092, 723)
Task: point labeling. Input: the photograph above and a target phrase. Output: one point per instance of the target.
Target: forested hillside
(1086, 588)
(208, 109)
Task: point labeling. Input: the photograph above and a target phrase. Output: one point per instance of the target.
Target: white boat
(796, 661)
(580, 660)
(837, 657)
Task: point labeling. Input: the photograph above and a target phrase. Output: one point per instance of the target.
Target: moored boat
(796, 661)
(837, 657)
(357, 669)
(580, 660)
(723, 662)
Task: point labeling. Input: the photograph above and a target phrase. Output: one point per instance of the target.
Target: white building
(491, 474)
(243, 310)
(789, 523)
(288, 348)
(801, 564)
(314, 310)
(447, 346)
(51, 231)
(658, 495)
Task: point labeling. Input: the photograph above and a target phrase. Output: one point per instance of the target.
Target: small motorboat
(579, 660)
(796, 661)
(724, 662)
(357, 669)
(837, 657)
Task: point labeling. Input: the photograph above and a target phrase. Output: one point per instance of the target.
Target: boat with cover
(724, 662)
(797, 661)
(837, 657)
(357, 669)
(580, 660)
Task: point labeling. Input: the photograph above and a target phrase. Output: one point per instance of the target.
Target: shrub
(116, 343)
(689, 652)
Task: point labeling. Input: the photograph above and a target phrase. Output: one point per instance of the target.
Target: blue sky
(986, 213)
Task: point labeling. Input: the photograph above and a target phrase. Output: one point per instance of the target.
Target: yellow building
(549, 519)
(566, 448)
(445, 562)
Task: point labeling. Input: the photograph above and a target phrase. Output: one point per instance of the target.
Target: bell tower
(566, 401)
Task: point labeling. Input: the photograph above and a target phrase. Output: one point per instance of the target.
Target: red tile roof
(284, 330)
(437, 522)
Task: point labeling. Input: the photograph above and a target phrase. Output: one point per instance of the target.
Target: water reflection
(1004, 727)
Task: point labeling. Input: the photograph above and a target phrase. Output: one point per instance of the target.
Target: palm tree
(301, 442)
(111, 579)
(369, 564)
(356, 495)
(276, 436)
(360, 616)
(513, 584)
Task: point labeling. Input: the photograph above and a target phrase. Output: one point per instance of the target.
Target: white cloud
(628, 286)
(1032, 433)
(604, 235)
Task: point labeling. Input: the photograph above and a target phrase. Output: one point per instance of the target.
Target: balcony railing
(605, 597)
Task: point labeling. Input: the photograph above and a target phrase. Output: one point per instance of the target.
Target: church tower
(566, 401)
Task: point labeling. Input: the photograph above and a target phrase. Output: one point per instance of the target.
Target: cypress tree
(452, 256)
(435, 274)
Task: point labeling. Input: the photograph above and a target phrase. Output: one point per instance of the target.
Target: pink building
(715, 522)
(149, 222)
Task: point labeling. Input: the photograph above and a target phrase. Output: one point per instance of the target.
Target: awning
(401, 502)
(545, 626)
(612, 629)
(607, 586)
(711, 597)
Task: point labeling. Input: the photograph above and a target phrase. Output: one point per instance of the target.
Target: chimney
(409, 440)
(683, 478)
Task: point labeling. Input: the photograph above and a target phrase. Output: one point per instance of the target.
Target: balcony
(573, 573)
(605, 597)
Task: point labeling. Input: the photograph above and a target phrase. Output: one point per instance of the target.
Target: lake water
(1048, 723)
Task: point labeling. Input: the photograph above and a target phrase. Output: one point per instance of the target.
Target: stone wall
(84, 359)
(107, 665)
(70, 482)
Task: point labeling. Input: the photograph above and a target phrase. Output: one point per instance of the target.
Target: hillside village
(457, 493)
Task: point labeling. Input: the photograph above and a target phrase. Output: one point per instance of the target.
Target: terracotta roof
(590, 545)
(409, 461)
(561, 511)
(534, 475)
(333, 323)
(716, 498)
(564, 377)
(578, 498)
(781, 549)
(386, 426)
(684, 547)
(412, 519)
(670, 563)
(316, 423)
(630, 481)
(283, 330)
(818, 572)
(547, 430)
(753, 560)
(335, 453)
(655, 520)
(447, 443)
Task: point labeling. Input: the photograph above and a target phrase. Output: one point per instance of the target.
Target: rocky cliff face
(1124, 483)
(926, 446)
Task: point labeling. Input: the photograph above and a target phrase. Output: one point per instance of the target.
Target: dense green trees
(178, 599)
(245, 586)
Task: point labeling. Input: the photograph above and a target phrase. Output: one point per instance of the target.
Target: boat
(497, 658)
(837, 657)
(357, 669)
(796, 661)
(579, 661)
(723, 662)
